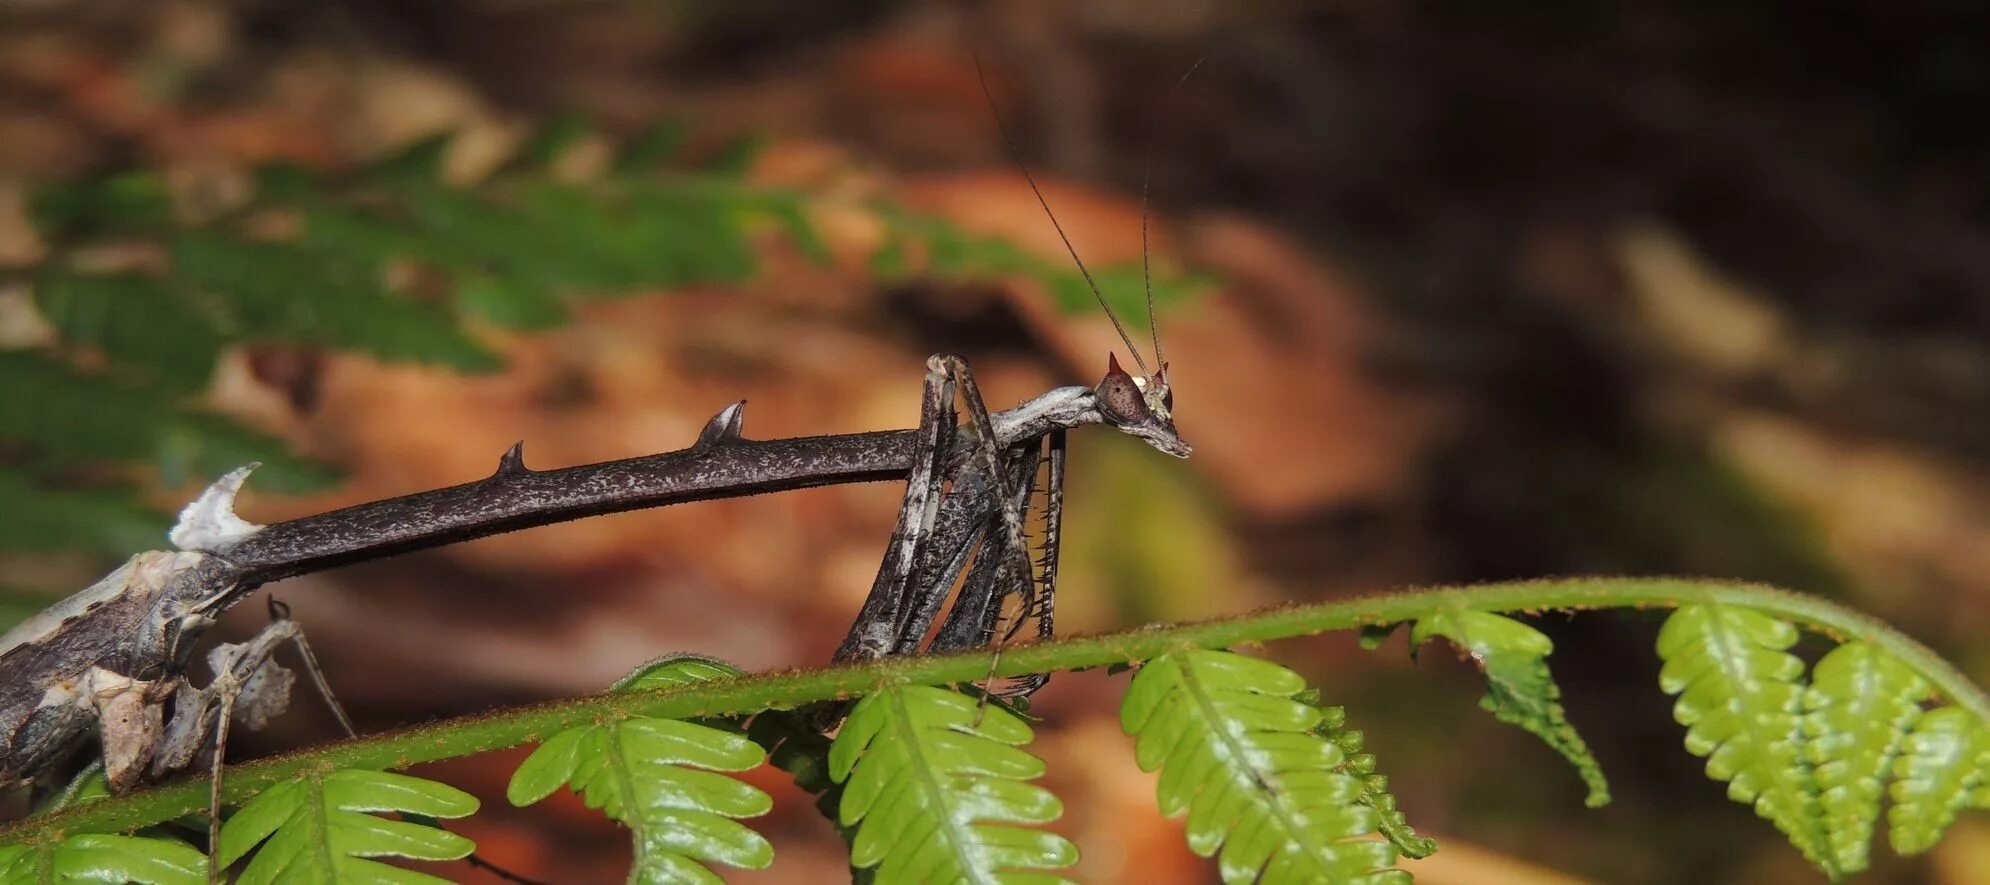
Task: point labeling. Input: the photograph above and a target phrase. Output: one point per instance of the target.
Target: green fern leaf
(1236, 745)
(68, 417)
(289, 291)
(660, 778)
(650, 147)
(888, 262)
(932, 782)
(139, 323)
(71, 417)
(690, 233)
(1375, 794)
(110, 521)
(131, 202)
(419, 162)
(789, 215)
(795, 746)
(1519, 688)
(320, 827)
(93, 857)
(1942, 768)
(507, 303)
(549, 142)
(1859, 707)
(1740, 698)
(736, 156)
(197, 446)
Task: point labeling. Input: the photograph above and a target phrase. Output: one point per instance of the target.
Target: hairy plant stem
(520, 725)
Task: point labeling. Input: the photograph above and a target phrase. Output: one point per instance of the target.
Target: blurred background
(1451, 293)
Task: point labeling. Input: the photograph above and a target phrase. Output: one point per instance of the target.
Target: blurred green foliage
(388, 259)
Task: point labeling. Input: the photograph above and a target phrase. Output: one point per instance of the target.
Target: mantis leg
(1053, 527)
(883, 618)
(963, 522)
(976, 614)
(1053, 533)
(248, 685)
(1010, 550)
(1013, 545)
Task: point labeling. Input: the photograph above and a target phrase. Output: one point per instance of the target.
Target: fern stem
(519, 725)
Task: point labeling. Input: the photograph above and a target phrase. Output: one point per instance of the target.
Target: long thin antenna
(1017, 155)
(1146, 177)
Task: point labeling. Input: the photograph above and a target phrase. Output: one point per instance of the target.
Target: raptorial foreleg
(249, 687)
(1009, 541)
(988, 450)
(886, 609)
(1053, 534)
(977, 611)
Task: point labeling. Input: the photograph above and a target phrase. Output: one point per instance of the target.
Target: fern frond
(951, 253)
(1942, 768)
(661, 779)
(138, 323)
(1237, 749)
(321, 827)
(795, 746)
(95, 857)
(651, 147)
(1519, 688)
(1740, 698)
(59, 419)
(390, 260)
(132, 202)
(105, 520)
(933, 782)
(69, 417)
(1390, 821)
(292, 292)
(1859, 707)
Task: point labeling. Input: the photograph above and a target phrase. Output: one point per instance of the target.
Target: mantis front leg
(883, 618)
(974, 621)
(1012, 555)
(249, 686)
(935, 532)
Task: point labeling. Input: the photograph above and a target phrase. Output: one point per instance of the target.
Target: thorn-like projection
(512, 462)
(724, 427)
(209, 524)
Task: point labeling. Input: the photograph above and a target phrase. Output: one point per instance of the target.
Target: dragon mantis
(111, 662)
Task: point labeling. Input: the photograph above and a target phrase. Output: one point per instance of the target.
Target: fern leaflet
(1519, 689)
(104, 520)
(1860, 704)
(1740, 698)
(933, 781)
(321, 828)
(94, 857)
(1944, 760)
(661, 779)
(1237, 748)
(1375, 794)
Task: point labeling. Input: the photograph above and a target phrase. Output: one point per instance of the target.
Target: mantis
(111, 661)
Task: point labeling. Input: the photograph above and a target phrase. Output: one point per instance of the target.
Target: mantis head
(1142, 407)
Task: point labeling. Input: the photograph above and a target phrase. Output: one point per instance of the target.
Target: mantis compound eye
(1119, 396)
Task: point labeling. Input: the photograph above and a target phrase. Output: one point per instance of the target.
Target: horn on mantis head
(1141, 407)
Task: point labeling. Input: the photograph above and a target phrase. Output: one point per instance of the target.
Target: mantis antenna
(1016, 155)
(1146, 265)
